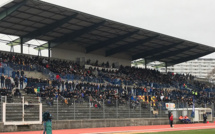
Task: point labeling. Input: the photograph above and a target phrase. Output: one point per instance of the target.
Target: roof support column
(21, 45)
(39, 52)
(11, 49)
(166, 66)
(49, 50)
(145, 63)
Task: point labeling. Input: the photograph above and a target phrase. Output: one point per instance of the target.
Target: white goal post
(21, 117)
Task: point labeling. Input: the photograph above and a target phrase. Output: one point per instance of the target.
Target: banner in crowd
(170, 105)
(153, 99)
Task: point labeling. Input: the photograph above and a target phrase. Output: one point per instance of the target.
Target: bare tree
(211, 74)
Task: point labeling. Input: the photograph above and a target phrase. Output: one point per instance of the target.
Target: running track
(129, 129)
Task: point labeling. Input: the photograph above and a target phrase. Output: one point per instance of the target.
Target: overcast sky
(192, 20)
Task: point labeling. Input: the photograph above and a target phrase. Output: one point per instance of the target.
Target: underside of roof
(34, 19)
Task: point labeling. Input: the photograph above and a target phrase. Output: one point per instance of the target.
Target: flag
(193, 111)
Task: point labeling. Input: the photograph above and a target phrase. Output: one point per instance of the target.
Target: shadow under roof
(35, 19)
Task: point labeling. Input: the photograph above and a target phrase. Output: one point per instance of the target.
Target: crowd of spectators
(74, 91)
(142, 81)
(57, 66)
(13, 82)
(123, 75)
(140, 76)
(10, 87)
(114, 95)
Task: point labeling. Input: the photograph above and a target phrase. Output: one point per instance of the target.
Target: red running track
(131, 129)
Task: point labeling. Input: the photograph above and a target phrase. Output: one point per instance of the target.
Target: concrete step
(95, 117)
(18, 116)
(94, 110)
(20, 113)
(20, 106)
(60, 115)
(20, 119)
(35, 74)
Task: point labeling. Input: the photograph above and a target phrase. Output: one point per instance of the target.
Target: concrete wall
(88, 124)
(75, 51)
(73, 124)
(35, 74)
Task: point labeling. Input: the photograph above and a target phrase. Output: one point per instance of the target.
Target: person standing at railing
(22, 73)
(8, 83)
(2, 80)
(17, 73)
(67, 85)
(16, 80)
(62, 85)
(21, 82)
(59, 84)
(13, 74)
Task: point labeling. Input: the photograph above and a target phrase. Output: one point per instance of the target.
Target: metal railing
(84, 108)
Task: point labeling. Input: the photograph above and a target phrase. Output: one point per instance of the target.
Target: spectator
(22, 73)
(181, 119)
(62, 85)
(13, 74)
(8, 83)
(149, 98)
(2, 80)
(21, 82)
(17, 73)
(204, 117)
(186, 119)
(4, 92)
(169, 114)
(171, 120)
(49, 102)
(16, 92)
(16, 80)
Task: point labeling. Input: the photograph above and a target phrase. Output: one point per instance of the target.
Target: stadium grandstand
(88, 75)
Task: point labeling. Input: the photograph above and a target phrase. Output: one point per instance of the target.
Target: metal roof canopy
(35, 19)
